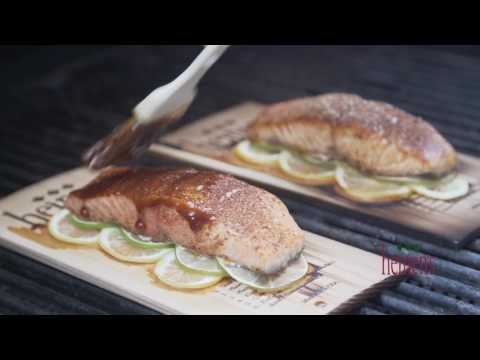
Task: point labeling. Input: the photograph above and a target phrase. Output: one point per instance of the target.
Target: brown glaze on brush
(374, 136)
(209, 212)
(127, 142)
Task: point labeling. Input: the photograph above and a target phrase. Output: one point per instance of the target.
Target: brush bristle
(127, 142)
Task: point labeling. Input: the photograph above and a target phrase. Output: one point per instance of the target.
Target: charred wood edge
(465, 257)
(371, 292)
(443, 267)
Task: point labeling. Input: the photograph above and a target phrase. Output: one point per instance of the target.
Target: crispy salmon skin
(373, 136)
(208, 212)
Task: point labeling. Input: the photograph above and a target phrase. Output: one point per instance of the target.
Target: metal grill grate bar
(369, 311)
(25, 269)
(404, 305)
(444, 303)
(454, 287)
(46, 155)
(475, 246)
(51, 301)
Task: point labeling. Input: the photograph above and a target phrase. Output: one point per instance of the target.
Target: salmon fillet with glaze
(373, 136)
(208, 212)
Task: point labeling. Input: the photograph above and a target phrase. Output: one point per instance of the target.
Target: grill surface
(51, 113)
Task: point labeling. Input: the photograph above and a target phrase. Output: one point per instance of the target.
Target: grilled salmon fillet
(373, 136)
(208, 212)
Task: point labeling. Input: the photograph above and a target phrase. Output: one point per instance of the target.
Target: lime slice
(316, 159)
(114, 243)
(417, 180)
(271, 148)
(87, 225)
(141, 241)
(256, 154)
(453, 189)
(171, 273)
(358, 187)
(266, 283)
(316, 173)
(62, 229)
(197, 262)
(400, 179)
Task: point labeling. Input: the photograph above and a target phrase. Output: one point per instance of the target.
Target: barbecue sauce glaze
(185, 190)
(126, 142)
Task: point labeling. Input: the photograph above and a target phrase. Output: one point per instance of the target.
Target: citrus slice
(62, 229)
(197, 262)
(400, 179)
(272, 148)
(144, 242)
(453, 189)
(171, 273)
(417, 180)
(256, 154)
(113, 242)
(266, 283)
(87, 225)
(315, 173)
(315, 159)
(358, 187)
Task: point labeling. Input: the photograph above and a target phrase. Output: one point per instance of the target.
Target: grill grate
(69, 109)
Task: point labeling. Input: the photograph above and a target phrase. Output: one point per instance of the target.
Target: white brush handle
(179, 93)
(192, 75)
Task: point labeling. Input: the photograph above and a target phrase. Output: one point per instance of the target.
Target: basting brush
(161, 107)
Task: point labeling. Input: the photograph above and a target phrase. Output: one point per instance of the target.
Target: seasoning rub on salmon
(208, 212)
(373, 136)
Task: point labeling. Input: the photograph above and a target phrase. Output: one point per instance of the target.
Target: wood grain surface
(339, 275)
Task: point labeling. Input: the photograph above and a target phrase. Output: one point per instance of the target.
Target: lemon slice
(456, 188)
(171, 273)
(256, 154)
(143, 241)
(87, 225)
(114, 243)
(358, 187)
(197, 262)
(316, 173)
(266, 283)
(62, 229)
